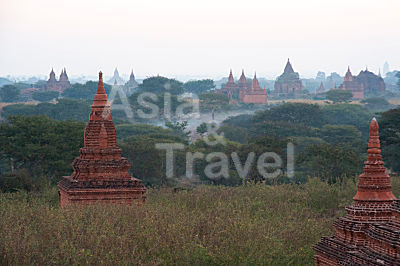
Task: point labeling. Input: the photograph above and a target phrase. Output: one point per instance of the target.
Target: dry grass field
(2, 104)
(307, 101)
(394, 101)
(209, 225)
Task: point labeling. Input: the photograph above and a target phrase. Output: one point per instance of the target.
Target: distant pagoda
(366, 83)
(255, 94)
(131, 85)
(116, 79)
(372, 83)
(230, 88)
(53, 85)
(242, 83)
(321, 88)
(289, 82)
(370, 232)
(242, 92)
(100, 173)
(352, 84)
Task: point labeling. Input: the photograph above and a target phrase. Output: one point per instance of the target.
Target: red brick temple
(100, 173)
(53, 85)
(352, 84)
(365, 83)
(369, 234)
(242, 92)
(255, 94)
(371, 82)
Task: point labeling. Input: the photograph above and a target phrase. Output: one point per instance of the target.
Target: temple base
(76, 192)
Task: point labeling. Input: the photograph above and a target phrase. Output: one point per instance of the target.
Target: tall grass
(252, 224)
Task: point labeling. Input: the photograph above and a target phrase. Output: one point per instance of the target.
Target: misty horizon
(193, 40)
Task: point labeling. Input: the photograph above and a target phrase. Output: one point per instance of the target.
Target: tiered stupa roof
(100, 173)
(363, 236)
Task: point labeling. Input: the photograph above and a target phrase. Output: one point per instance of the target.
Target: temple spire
(348, 76)
(374, 182)
(288, 67)
(255, 85)
(230, 78)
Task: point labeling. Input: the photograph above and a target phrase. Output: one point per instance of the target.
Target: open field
(394, 101)
(254, 224)
(307, 101)
(319, 102)
(2, 104)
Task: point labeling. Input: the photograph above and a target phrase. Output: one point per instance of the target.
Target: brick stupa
(100, 173)
(370, 232)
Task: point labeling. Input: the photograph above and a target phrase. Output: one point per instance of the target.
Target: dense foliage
(84, 91)
(316, 131)
(389, 124)
(199, 86)
(45, 96)
(9, 93)
(64, 109)
(160, 84)
(41, 146)
(330, 142)
(338, 96)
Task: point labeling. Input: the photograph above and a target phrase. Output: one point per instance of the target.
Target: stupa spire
(255, 85)
(367, 234)
(100, 103)
(374, 182)
(348, 76)
(100, 85)
(230, 78)
(288, 67)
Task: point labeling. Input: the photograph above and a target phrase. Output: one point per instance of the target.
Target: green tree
(64, 109)
(199, 86)
(342, 135)
(202, 128)
(244, 121)
(281, 129)
(160, 85)
(389, 124)
(348, 114)
(376, 103)
(179, 128)
(213, 101)
(234, 133)
(130, 130)
(329, 162)
(9, 93)
(41, 145)
(45, 96)
(148, 163)
(200, 165)
(262, 144)
(297, 113)
(84, 91)
(338, 96)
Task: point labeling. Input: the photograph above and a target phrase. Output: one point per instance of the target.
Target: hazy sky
(197, 38)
